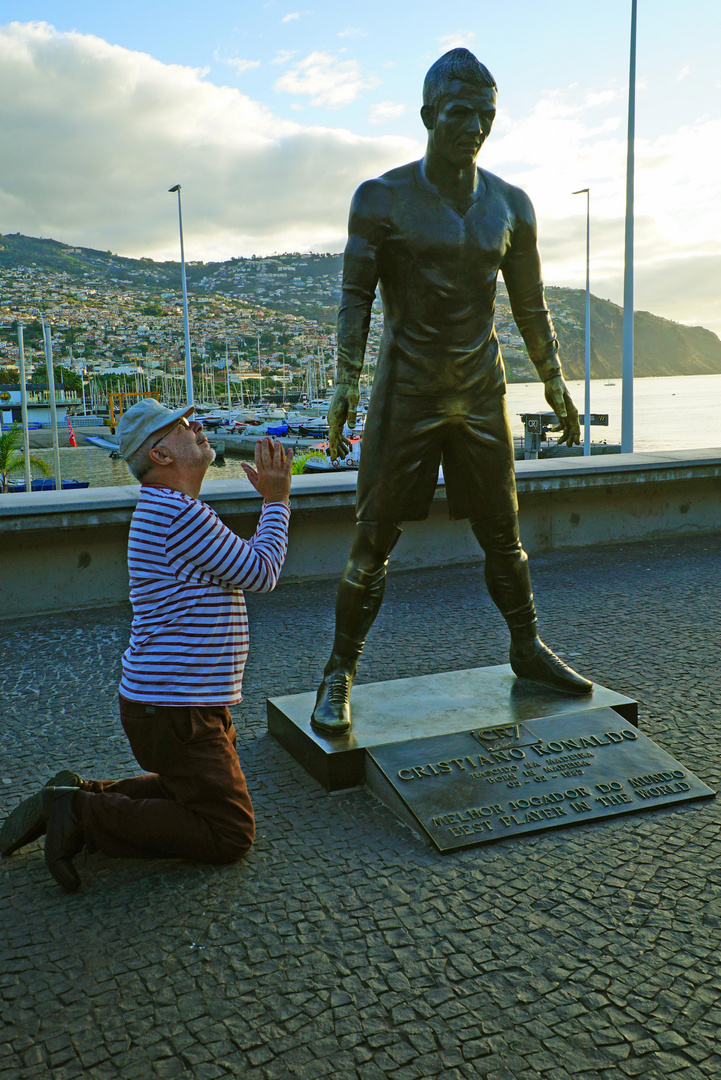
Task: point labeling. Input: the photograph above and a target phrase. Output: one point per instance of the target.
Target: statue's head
(459, 106)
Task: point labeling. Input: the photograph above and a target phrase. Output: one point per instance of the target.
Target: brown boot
(26, 822)
(64, 834)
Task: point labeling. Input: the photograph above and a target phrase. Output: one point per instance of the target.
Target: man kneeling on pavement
(182, 669)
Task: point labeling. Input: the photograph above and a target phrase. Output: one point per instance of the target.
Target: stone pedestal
(429, 705)
(469, 757)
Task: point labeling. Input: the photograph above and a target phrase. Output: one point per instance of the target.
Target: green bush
(300, 459)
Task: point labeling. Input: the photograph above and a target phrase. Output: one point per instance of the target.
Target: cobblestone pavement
(343, 946)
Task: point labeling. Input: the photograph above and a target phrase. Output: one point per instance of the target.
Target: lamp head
(176, 187)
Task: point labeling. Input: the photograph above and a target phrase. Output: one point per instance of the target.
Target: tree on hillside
(32, 331)
(63, 377)
(70, 379)
(12, 461)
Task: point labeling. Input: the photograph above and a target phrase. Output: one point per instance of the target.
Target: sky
(271, 114)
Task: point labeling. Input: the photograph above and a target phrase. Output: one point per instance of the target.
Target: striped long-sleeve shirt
(189, 638)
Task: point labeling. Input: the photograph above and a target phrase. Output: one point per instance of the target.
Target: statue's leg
(360, 595)
(509, 583)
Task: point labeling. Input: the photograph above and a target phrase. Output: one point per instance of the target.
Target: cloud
(93, 135)
(293, 16)
(462, 40)
(385, 110)
(240, 66)
(352, 32)
(326, 80)
(283, 56)
(565, 144)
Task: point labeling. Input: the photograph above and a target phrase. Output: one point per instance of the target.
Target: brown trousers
(192, 803)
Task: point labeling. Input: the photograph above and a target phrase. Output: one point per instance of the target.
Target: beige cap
(143, 420)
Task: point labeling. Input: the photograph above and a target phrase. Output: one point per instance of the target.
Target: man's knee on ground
(229, 852)
(232, 844)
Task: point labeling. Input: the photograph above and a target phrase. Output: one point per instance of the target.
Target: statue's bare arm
(360, 277)
(521, 268)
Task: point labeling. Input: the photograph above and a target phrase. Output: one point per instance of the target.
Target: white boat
(104, 444)
(321, 461)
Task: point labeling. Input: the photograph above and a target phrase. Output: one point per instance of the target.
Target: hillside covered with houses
(117, 318)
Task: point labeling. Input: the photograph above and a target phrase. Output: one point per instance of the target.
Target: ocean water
(100, 470)
(675, 413)
(679, 413)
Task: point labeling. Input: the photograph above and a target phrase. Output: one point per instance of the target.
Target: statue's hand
(343, 410)
(559, 399)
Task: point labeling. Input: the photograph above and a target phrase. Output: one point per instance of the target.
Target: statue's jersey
(437, 270)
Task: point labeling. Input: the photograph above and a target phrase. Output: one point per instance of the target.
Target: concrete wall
(61, 550)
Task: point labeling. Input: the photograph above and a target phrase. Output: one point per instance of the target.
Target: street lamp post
(627, 362)
(188, 364)
(587, 334)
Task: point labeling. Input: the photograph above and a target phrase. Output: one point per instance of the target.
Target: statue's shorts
(407, 438)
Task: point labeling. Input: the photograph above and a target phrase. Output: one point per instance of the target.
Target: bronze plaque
(475, 787)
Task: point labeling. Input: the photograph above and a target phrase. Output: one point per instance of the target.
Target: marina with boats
(304, 430)
(233, 422)
(49, 424)
(672, 412)
(232, 431)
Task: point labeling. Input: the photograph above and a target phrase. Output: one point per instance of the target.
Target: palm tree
(12, 461)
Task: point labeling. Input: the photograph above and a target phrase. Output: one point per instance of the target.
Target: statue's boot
(360, 595)
(509, 584)
(547, 668)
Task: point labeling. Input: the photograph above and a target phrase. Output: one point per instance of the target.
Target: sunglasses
(183, 422)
